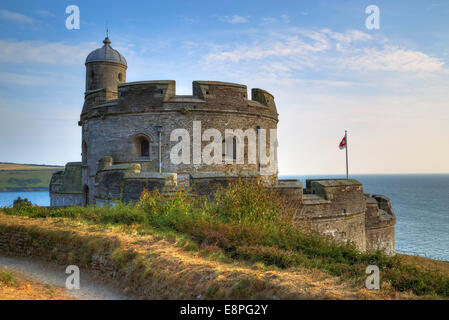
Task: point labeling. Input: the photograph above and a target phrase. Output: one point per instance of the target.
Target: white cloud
(15, 17)
(348, 37)
(45, 14)
(269, 20)
(282, 54)
(42, 52)
(285, 18)
(279, 46)
(39, 78)
(392, 58)
(14, 79)
(235, 19)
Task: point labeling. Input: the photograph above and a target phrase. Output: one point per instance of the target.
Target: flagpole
(346, 138)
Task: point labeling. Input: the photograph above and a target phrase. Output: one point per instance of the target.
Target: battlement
(263, 97)
(346, 195)
(157, 95)
(202, 91)
(226, 92)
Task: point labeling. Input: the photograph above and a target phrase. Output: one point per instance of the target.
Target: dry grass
(20, 287)
(162, 269)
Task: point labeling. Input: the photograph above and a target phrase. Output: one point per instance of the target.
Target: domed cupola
(106, 53)
(105, 68)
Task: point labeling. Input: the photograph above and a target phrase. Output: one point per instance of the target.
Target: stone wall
(54, 246)
(102, 74)
(207, 182)
(335, 208)
(126, 182)
(65, 186)
(381, 239)
(380, 222)
(66, 199)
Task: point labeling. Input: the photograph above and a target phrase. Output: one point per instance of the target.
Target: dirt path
(48, 282)
(17, 286)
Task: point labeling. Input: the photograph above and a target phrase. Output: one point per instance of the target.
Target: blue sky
(327, 71)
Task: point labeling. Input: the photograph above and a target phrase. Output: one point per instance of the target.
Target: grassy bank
(251, 224)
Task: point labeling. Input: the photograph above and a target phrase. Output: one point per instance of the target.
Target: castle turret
(105, 68)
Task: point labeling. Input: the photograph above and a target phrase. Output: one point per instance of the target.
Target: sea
(420, 202)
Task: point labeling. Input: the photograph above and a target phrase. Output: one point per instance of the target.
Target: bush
(7, 279)
(22, 203)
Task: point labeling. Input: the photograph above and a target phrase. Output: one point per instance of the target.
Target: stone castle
(127, 144)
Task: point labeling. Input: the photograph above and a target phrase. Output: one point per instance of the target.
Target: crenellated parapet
(160, 96)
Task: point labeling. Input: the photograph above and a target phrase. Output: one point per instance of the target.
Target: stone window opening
(120, 76)
(84, 152)
(85, 195)
(230, 148)
(142, 146)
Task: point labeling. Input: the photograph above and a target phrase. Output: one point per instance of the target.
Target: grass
(7, 279)
(249, 222)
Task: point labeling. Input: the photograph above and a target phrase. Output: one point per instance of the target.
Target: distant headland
(18, 177)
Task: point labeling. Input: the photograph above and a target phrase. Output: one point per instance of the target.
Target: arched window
(120, 76)
(144, 148)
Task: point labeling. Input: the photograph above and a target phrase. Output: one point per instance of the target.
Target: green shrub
(7, 279)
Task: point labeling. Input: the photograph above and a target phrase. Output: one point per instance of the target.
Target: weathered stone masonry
(121, 153)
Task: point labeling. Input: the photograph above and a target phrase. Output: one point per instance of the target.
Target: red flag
(342, 144)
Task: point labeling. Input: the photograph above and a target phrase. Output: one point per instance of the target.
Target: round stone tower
(105, 68)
